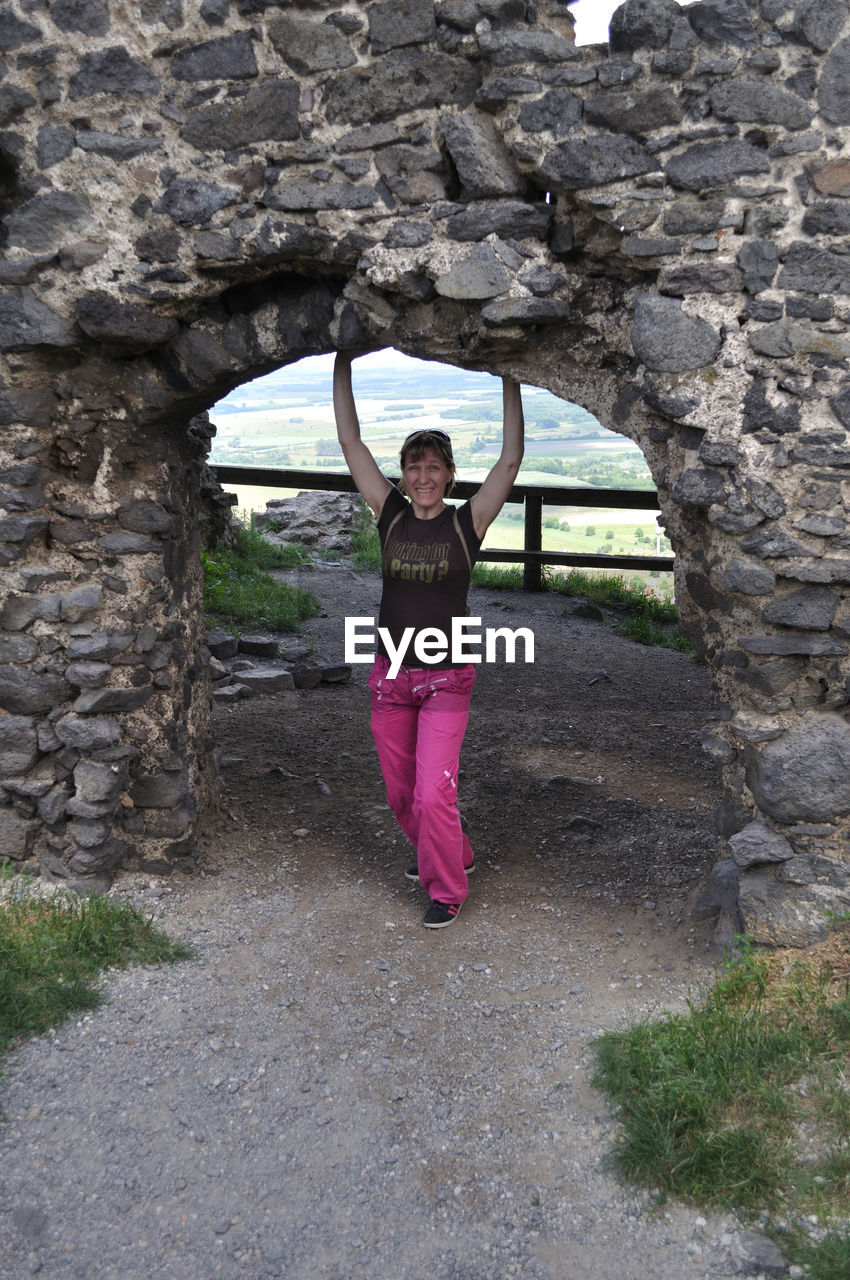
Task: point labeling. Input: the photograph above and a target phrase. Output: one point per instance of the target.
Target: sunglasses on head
(427, 431)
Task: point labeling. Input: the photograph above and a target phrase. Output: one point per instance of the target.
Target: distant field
(286, 420)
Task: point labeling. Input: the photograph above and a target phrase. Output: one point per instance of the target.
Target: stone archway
(653, 229)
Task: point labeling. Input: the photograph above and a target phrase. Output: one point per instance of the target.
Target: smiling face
(427, 479)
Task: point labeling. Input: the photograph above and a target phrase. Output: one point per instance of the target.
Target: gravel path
(305, 1099)
(328, 1089)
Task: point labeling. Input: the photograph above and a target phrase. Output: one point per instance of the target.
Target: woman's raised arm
(372, 484)
(486, 504)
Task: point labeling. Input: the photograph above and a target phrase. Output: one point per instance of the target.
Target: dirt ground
(584, 764)
(330, 1090)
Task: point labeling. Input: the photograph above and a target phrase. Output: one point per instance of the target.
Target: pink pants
(418, 722)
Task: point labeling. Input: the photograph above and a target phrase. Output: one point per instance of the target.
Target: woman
(428, 549)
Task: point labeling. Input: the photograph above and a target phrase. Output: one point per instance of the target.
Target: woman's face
(426, 480)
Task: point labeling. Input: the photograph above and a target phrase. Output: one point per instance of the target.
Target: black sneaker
(412, 873)
(440, 914)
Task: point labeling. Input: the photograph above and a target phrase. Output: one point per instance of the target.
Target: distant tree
(590, 531)
(609, 536)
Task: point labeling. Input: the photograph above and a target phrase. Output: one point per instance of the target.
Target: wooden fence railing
(533, 497)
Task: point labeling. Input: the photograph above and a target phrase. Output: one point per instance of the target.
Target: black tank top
(426, 567)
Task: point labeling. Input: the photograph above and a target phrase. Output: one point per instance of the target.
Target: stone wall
(193, 195)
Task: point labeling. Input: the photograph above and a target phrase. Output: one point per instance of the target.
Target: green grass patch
(365, 541)
(53, 949)
(238, 591)
(644, 631)
(742, 1102)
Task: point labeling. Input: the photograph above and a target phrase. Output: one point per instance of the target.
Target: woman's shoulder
(394, 504)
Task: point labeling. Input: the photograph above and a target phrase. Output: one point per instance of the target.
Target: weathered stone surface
(789, 904)
(682, 164)
(270, 681)
(818, 23)
(506, 218)
(684, 281)
(811, 270)
(124, 325)
(393, 23)
(116, 146)
(634, 112)
(524, 311)
(707, 165)
(87, 675)
(413, 79)
(112, 71)
(161, 790)
(259, 646)
(299, 195)
(87, 733)
(97, 787)
(26, 323)
(697, 487)
(757, 843)
(17, 833)
(222, 644)
(590, 162)
(17, 648)
(22, 528)
(805, 775)
(720, 893)
(482, 159)
(310, 46)
(749, 578)
(80, 602)
(557, 112)
(307, 674)
(42, 224)
(723, 22)
(811, 609)
(27, 693)
(89, 17)
(793, 644)
(758, 260)
(788, 338)
(18, 745)
(666, 339)
(191, 202)
(642, 24)
(834, 85)
(759, 102)
(269, 112)
(101, 646)
(413, 174)
(231, 57)
(102, 701)
(830, 179)
(126, 544)
(508, 48)
(479, 275)
(15, 31)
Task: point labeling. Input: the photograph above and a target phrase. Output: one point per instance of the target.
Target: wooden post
(532, 575)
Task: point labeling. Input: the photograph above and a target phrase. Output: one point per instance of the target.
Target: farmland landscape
(286, 420)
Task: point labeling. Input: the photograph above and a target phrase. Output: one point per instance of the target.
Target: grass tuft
(238, 591)
(742, 1103)
(52, 950)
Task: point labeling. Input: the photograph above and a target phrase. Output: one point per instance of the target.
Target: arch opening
(378, 183)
